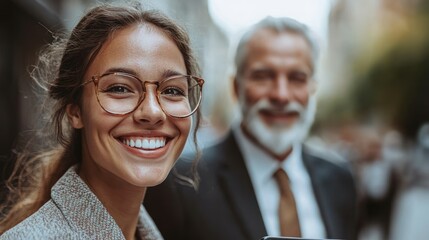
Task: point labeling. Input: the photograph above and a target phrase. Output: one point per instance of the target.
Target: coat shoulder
(46, 223)
(327, 156)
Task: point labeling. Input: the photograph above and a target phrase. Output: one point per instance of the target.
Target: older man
(260, 180)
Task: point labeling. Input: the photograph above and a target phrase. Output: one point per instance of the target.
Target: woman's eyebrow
(165, 74)
(122, 70)
(169, 73)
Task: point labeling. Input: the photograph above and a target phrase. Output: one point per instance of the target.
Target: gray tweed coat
(74, 212)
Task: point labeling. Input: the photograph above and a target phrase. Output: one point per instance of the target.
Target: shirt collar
(261, 166)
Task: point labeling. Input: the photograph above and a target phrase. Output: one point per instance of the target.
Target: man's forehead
(266, 37)
(285, 48)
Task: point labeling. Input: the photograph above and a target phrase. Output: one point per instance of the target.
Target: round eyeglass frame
(95, 79)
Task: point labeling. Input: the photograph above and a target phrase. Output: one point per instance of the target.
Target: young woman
(124, 90)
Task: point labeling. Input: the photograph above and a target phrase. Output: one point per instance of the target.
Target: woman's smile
(146, 147)
(145, 143)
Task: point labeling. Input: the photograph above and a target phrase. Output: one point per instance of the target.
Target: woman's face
(109, 141)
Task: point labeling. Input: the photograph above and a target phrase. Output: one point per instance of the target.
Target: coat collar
(325, 189)
(236, 183)
(86, 214)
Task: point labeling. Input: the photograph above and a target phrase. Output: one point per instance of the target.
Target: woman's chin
(151, 178)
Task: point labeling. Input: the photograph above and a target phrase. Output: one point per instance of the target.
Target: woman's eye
(173, 92)
(117, 89)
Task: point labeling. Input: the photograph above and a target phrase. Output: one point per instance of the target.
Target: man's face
(275, 88)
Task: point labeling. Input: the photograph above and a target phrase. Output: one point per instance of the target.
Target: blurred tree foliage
(389, 82)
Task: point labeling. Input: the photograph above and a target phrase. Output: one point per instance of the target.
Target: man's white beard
(279, 138)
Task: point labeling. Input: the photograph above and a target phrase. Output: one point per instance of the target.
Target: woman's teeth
(145, 143)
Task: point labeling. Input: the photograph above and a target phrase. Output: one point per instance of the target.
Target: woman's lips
(146, 143)
(146, 147)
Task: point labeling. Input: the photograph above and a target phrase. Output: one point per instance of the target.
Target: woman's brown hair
(60, 71)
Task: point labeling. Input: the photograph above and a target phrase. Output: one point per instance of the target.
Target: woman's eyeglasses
(121, 93)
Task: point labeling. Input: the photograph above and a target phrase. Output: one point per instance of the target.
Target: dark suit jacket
(225, 205)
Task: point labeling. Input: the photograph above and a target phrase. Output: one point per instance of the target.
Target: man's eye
(298, 77)
(261, 75)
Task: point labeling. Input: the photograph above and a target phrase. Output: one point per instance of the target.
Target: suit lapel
(236, 184)
(322, 187)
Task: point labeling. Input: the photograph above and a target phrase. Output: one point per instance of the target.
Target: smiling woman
(122, 117)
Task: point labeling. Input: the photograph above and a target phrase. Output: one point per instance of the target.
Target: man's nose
(281, 91)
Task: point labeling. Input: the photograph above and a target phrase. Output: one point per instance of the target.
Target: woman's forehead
(142, 47)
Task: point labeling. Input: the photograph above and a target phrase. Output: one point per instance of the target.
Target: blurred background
(373, 87)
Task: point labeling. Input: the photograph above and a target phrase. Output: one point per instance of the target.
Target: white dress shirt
(261, 168)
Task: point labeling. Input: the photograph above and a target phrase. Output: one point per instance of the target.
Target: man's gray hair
(279, 25)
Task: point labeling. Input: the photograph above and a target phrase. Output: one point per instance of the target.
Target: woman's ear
(74, 116)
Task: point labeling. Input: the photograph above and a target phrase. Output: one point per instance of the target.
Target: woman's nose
(150, 111)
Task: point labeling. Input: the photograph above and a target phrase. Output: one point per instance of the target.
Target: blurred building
(23, 30)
